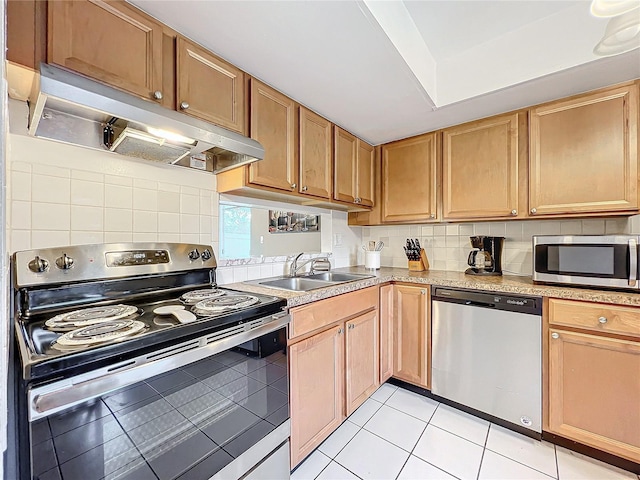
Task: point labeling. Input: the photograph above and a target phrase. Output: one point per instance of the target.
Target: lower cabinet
(411, 335)
(594, 376)
(333, 365)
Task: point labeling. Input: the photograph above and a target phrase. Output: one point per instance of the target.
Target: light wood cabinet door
(478, 158)
(274, 123)
(584, 154)
(316, 369)
(412, 343)
(409, 180)
(362, 359)
(316, 154)
(107, 40)
(365, 174)
(594, 391)
(386, 333)
(208, 87)
(346, 150)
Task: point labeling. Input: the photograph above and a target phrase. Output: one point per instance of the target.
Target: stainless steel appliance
(132, 365)
(487, 258)
(487, 354)
(593, 260)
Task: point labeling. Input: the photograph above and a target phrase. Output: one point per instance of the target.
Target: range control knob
(194, 254)
(206, 255)
(64, 262)
(38, 265)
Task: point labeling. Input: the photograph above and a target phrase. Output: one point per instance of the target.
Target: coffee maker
(487, 258)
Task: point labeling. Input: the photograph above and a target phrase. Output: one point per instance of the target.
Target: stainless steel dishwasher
(486, 353)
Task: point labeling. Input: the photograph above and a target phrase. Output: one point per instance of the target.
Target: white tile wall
(447, 246)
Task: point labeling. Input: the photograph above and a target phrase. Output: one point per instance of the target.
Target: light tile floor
(398, 434)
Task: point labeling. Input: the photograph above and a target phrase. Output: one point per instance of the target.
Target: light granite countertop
(504, 284)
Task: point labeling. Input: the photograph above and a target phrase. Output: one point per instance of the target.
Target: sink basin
(297, 284)
(337, 277)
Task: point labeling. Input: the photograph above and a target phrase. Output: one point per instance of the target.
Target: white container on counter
(372, 259)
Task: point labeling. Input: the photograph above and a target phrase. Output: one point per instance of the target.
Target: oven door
(223, 415)
(604, 261)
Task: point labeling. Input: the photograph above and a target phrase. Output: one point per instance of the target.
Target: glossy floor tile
(397, 434)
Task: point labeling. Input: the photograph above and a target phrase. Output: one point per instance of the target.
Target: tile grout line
(523, 464)
(484, 449)
(555, 453)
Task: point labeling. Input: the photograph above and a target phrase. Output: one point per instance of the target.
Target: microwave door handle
(633, 262)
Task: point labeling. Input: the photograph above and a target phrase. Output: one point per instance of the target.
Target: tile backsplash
(447, 245)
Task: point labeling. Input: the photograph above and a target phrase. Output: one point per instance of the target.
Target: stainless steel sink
(297, 284)
(310, 282)
(337, 277)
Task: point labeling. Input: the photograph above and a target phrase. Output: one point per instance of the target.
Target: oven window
(187, 424)
(597, 260)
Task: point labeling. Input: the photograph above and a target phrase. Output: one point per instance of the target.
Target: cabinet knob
(533, 210)
(602, 320)
(351, 326)
(184, 105)
(358, 200)
(433, 215)
(423, 292)
(555, 335)
(157, 95)
(514, 212)
(339, 331)
(294, 185)
(304, 188)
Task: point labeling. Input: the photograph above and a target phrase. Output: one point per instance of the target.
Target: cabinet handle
(340, 331)
(602, 320)
(433, 215)
(555, 335)
(423, 292)
(304, 188)
(184, 105)
(533, 210)
(514, 212)
(157, 95)
(293, 186)
(351, 326)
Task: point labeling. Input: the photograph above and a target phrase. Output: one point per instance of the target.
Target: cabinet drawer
(595, 316)
(316, 315)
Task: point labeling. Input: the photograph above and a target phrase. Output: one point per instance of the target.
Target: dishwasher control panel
(497, 300)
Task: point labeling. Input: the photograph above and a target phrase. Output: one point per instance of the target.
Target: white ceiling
(386, 70)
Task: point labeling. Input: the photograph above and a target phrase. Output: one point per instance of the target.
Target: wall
(447, 245)
(65, 195)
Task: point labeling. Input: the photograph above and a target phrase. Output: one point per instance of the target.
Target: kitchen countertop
(504, 284)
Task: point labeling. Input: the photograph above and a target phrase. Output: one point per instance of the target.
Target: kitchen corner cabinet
(274, 123)
(333, 364)
(409, 180)
(584, 154)
(208, 87)
(316, 155)
(353, 170)
(594, 375)
(476, 155)
(411, 335)
(109, 41)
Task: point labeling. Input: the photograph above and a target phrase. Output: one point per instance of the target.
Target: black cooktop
(45, 361)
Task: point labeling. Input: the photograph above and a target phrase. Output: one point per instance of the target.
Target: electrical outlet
(337, 239)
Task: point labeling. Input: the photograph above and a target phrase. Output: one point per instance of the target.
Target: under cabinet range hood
(73, 109)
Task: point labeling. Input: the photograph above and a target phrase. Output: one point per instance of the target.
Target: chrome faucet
(320, 264)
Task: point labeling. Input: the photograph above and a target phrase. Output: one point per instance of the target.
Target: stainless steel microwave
(593, 260)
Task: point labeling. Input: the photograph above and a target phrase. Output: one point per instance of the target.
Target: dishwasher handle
(489, 300)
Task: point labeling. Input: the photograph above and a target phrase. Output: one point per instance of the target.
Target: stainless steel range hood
(73, 109)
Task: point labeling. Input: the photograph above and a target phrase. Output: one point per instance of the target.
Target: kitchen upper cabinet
(409, 179)
(593, 375)
(346, 152)
(412, 341)
(480, 169)
(584, 154)
(274, 123)
(208, 87)
(365, 174)
(316, 369)
(362, 359)
(109, 41)
(316, 155)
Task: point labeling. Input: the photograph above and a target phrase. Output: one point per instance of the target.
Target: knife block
(419, 265)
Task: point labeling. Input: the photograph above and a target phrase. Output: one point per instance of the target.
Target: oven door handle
(54, 397)
(633, 262)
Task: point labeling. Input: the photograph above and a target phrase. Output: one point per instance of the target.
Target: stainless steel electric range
(134, 364)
